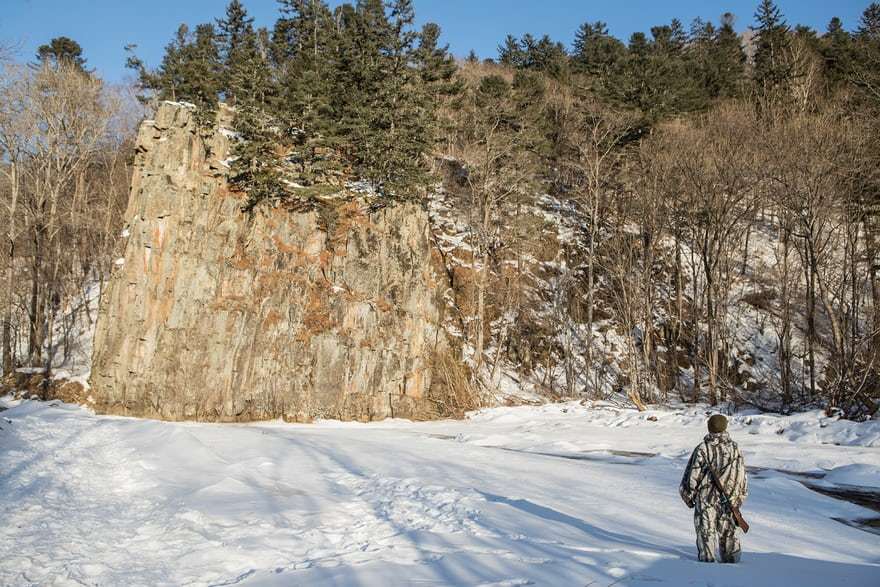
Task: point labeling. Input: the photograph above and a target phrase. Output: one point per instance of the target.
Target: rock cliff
(220, 315)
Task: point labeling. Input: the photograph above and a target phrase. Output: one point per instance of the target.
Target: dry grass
(451, 390)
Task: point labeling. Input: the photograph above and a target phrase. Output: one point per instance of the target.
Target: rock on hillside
(216, 314)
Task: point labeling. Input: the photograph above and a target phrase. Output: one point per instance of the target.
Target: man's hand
(687, 498)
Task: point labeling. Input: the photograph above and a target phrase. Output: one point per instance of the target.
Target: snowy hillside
(555, 495)
(540, 336)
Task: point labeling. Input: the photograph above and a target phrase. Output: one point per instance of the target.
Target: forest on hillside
(690, 215)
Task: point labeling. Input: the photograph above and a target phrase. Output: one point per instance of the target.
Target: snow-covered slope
(511, 496)
(646, 341)
(72, 336)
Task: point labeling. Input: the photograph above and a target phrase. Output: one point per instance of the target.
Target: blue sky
(104, 27)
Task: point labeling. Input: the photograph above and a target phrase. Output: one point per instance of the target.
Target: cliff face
(215, 314)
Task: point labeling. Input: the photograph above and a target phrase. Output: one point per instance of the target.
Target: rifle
(737, 515)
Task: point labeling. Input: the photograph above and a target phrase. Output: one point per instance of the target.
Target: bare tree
(493, 147)
(716, 170)
(17, 127)
(64, 174)
(596, 142)
(621, 262)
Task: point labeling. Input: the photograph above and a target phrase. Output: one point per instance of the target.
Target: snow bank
(859, 475)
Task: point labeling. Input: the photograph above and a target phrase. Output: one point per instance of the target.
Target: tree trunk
(35, 339)
(8, 342)
(711, 342)
(482, 278)
(811, 315)
(784, 336)
(872, 254)
(591, 256)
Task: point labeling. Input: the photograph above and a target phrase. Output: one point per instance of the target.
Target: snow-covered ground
(511, 496)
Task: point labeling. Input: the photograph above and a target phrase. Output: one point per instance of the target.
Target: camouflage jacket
(722, 454)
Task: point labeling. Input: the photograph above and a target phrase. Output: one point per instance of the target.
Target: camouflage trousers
(715, 526)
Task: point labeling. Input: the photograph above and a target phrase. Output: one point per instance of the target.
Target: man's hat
(717, 424)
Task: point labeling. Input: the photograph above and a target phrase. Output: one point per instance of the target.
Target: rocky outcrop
(216, 314)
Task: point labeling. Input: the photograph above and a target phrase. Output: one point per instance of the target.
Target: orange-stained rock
(220, 315)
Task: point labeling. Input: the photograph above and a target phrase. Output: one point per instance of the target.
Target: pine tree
(436, 66)
(168, 80)
(528, 96)
(716, 57)
(701, 32)
(61, 51)
(257, 167)
(237, 43)
(546, 55)
(385, 116)
(146, 80)
(303, 42)
(472, 57)
(407, 107)
(773, 67)
(595, 51)
(540, 54)
(699, 54)
(655, 76)
(249, 76)
(836, 50)
(232, 30)
(638, 44)
(669, 40)
(869, 26)
(362, 68)
(201, 71)
(865, 71)
(190, 71)
(729, 58)
(511, 52)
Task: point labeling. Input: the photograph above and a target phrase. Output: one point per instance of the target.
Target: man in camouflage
(712, 518)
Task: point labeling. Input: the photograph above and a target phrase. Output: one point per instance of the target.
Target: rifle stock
(740, 521)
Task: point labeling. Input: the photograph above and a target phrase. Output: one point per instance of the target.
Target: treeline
(350, 91)
(65, 151)
(677, 70)
(358, 91)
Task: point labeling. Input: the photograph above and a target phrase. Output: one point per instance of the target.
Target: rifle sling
(716, 480)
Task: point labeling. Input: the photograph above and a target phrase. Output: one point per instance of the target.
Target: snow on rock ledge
(219, 315)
